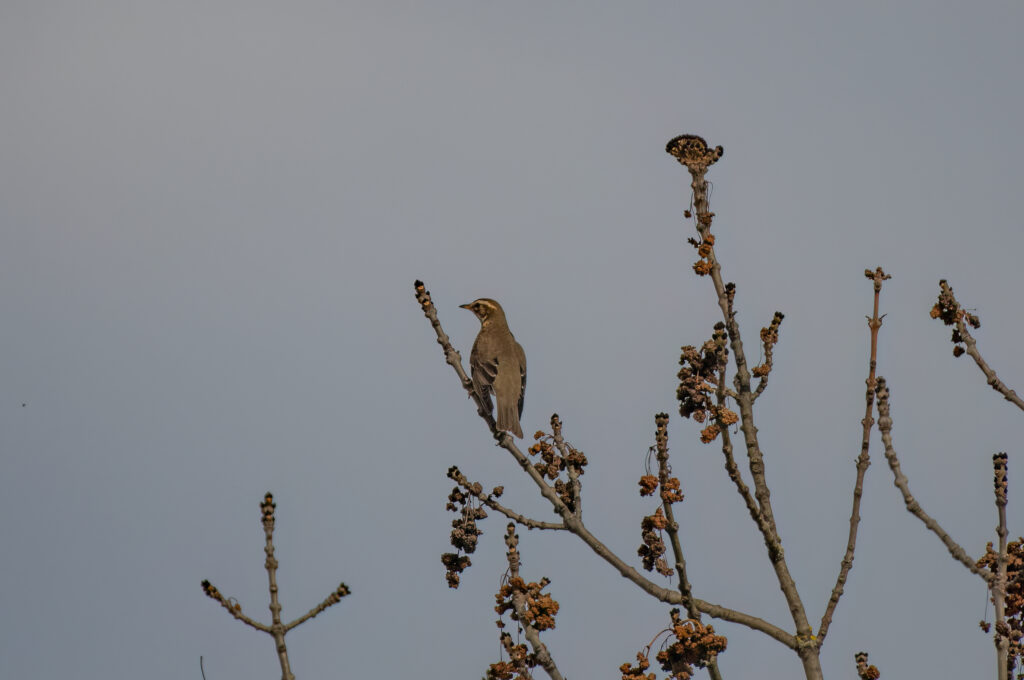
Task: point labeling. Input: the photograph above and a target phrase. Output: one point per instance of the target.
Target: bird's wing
(483, 372)
(521, 355)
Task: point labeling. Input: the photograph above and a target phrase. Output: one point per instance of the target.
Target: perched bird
(498, 363)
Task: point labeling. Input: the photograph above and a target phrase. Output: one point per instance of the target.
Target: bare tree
(711, 392)
(276, 629)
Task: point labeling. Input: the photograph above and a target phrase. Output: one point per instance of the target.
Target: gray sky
(211, 216)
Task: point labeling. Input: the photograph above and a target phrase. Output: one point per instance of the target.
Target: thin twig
(332, 599)
(661, 441)
(523, 520)
(863, 460)
(769, 336)
(685, 589)
(571, 470)
(276, 628)
(903, 484)
(476, 490)
(951, 312)
(233, 608)
(736, 476)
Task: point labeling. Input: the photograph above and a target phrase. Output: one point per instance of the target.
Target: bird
(498, 363)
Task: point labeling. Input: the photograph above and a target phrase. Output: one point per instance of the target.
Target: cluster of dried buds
(670, 489)
(951, 313)
(229, 602)
(864, 671)
(769, 336)
(637, 672)
(267, 510)
(1013, 627)
(695, 645)
(653, 549)
(520, 660)
(541, 608)
(699, 377)
(703, 266)
(651, 527)
(558, 456)
(464, 528)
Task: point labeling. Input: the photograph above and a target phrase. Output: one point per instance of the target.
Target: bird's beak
(468, 305)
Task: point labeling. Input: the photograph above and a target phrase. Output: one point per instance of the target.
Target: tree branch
(519, 603)
(863, 460)
(332, 599)
(951, 313)
(276, 630)
(685, 589)
(694, 153)
(234, 608)
(570, 520)
(475, 489)
(998, 585)
(903, 484)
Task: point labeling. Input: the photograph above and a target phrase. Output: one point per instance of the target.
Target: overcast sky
(211, 216)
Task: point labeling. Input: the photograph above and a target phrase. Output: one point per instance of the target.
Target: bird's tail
(508, 420)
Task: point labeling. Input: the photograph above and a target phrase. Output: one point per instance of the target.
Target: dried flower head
(693, 152)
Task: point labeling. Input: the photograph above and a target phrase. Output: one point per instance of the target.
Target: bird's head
(486, 310)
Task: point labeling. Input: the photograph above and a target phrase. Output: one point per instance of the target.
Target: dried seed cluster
(637, 672)
(693, 152)
(705, 264)
(541, 608)
(653, 549)
(952, 314)
(1013, 628)
(698, 378)
(695, 645)
(864, 671)
(558, 456)
(464, 528)
(529, 607)
(518, 664)
(769, 336)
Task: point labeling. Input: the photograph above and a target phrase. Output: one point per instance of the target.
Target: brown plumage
(498, 363)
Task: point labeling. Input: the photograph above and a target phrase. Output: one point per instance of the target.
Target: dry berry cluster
(952, 314)
(695, 645)
(518, 664)
(637, 672)
(533, 611)
(699, 377)
(540, 610)
(558, 456)
(703, 266)
(769, 336)
(1014, 600)
(864, 671)
(464, 528)
(653, 549)
(651, 527)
